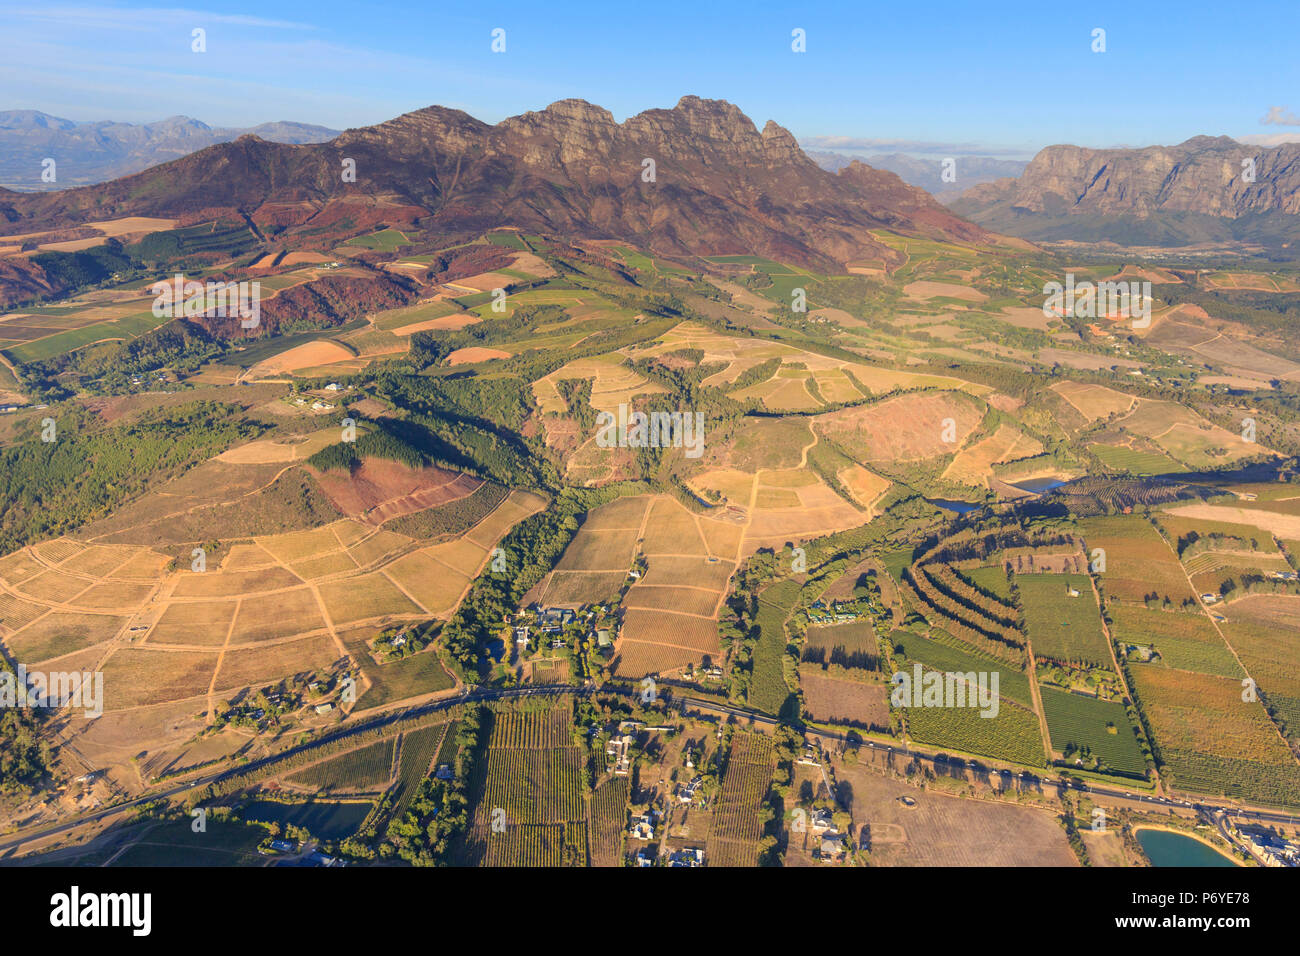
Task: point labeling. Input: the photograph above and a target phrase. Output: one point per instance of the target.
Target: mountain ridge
(1196, 190)
(97, 151)
(699, 178)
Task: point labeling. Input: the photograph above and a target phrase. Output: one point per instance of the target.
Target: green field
(1012, 735)
(124, 329)
(1136, 462)
(359, 769)
(1100, 725)
(386, 240)
(1013, 683)
(174, 843)
(1063, 628)
(768, 690)
(1187, 641)
(510, 240)
(994, 580)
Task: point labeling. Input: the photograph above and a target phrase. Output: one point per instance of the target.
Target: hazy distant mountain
(87, 153)
(1203, 190)
(927, 173)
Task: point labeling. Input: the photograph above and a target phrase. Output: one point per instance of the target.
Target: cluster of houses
(690, 792)
(837, 612)
(690, 856)
(619, 752)
(642, 826)
(1274, 850)
(830, 842)
(553, 620)
(316, 406)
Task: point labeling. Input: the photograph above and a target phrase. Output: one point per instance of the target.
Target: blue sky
(951, 77)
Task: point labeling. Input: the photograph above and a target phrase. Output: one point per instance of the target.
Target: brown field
(266, 616)
(52, 587)
(468, 356)
(1138, 562)
(930, 290)
(599, 551)
(733, 485)
(17, 613)
(307, 355)
(844, 701)
(325, 565)
(364, 597)
(377, 546)
(865, 486)
(62, 632)
(115, 595)
(203, 623)
(18, 567)
(623, 514)
(270, 451)
(1025, 318)
(380, 490)
(297, 545)
(246, 557)
(134, 676)
(973, 465)
(98, 561)
(697, 572)
(220, 584)
(1094, 401)
(463, 556)
(906, 428)
(699, 634)
(1206, 715)
(686, 600)
(58, 550)
(145, 564)
(1282, 525)
(582, 587)
(950, 831)
(671, 529)
(454, 322)
(436, 586)
(242, 667)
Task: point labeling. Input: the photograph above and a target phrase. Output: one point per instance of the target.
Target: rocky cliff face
(1203, 177)
(719, 185)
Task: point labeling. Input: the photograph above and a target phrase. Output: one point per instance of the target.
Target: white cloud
(1280, 116)
(1269, 139)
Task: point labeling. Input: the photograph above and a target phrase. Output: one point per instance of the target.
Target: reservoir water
(1173, 849)
(1038, 485)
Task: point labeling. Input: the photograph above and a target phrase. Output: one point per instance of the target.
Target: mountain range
(699, 178)
(1205, 190)
(928, 172)
(94, 152)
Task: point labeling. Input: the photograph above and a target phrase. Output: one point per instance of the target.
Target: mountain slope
(1193, 192)
(927, 173)
(88, 153)
(720, 185)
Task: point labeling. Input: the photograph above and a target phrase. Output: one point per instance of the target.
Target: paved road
(474, 694)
